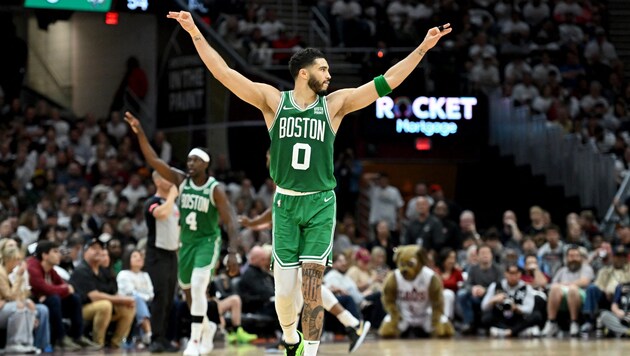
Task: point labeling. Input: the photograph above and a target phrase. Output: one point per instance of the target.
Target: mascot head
(410, 259)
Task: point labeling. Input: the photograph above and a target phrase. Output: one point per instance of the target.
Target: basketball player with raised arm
(302, 124)
(201, 204)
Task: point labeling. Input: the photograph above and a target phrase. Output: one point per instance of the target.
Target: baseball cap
(93, 241)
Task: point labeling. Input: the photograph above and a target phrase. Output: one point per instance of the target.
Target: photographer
(508, 306)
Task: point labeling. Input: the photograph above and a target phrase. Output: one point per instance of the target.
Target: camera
(506, 307)
(507, 304)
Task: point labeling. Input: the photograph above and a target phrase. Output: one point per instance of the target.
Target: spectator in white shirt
(565, 9)
(541, 71)
(516, 69)
(481, 46)
(485, 75)
(600, 46)
(594, 97)
(535, 12)
(524, 93)
(570, 32)
(134, 191)
(386, 203)
(133, 282)
(116, 127)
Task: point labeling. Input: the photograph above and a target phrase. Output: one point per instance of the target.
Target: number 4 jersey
(302, 143)
(199, 217)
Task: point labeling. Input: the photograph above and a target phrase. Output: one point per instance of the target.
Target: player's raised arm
(349, 100)
(263, 96)
(170, 174)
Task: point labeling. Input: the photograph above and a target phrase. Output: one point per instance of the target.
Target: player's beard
(317, 87)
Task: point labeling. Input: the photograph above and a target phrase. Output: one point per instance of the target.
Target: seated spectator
(599, 295)
(101, 304)
(345, 289)
(618, 318)
(62, 302)
(567, 291)
(451, 277)
(363, 274)
(256, 287)
(384, 240)
(425, 230)
(508, 306)
(480, 276)
(550, 254)
(17, 312)
(135, 283)
(535, 12)
(532, 275)
(484, 76)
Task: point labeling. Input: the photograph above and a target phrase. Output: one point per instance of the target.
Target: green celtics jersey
(302, 143)
(199, 217)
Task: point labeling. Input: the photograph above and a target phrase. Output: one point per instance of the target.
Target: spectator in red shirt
(50, 289)
(451, 277)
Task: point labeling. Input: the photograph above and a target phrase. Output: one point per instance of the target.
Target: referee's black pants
(161, 265)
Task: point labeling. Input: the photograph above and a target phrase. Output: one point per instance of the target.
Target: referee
(162, 218)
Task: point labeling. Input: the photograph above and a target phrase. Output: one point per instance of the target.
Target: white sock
(291, 336)
(310, 347)
(195, 331)
(347, 319)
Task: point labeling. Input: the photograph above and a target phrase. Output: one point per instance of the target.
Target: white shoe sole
(366, 327)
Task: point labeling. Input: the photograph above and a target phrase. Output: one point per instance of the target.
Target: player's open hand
(184, 18)
(434, 34)
(133, 122)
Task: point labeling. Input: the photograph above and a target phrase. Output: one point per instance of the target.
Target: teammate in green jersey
(201, 203)
(302, 124)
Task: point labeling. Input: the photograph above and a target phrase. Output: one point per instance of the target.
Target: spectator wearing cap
(101, 304)
(599, 295)
(50, 289)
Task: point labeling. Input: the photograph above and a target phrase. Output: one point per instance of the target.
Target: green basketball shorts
(303, 228)
(202, 254)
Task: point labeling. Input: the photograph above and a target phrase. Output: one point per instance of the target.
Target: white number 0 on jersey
(302, 166)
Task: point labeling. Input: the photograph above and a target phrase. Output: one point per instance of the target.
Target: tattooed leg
(313, 312)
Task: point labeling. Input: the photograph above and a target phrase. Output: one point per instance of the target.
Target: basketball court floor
(460, 347)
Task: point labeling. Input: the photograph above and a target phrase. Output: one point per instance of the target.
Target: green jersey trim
(275, 117)
(297, 107)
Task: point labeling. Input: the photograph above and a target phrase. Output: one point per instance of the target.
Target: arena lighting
(423, 144)
(436, 114)
(111, 18)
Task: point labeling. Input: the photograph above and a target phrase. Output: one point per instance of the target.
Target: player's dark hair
(303, 59)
